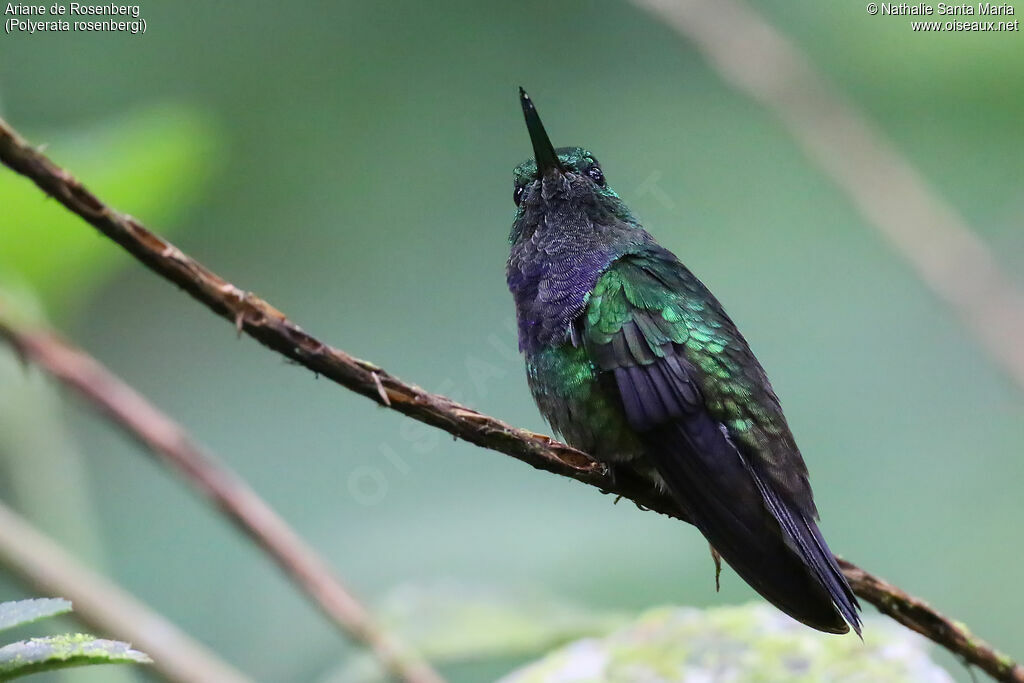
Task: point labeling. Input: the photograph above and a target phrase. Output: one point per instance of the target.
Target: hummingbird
(631, 359)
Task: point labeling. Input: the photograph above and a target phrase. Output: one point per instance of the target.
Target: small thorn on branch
(385, 399)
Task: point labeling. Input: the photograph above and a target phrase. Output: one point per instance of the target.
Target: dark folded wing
(640, 332)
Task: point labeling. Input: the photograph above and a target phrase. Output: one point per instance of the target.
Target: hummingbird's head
(566, 181)
(576, 161)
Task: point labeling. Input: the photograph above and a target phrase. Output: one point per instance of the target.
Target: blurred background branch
(167, 440)
(106, 607)
(272, 328)
(892, 196)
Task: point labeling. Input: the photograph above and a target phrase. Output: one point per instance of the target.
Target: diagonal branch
(170, 443)
(270, 327)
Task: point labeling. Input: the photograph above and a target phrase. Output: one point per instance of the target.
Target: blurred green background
(351, 163)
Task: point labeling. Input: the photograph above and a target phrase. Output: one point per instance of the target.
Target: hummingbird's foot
(612, 474)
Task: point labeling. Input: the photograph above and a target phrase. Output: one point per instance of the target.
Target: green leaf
(21, 612)
(150, 163)
(62, 652)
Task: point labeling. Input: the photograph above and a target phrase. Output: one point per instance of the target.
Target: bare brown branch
(918, 615)
(163, 437)
(271, 328)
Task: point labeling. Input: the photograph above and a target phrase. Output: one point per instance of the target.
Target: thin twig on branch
(162, 436)
(747, 52)
(270, 327)
(106, 607)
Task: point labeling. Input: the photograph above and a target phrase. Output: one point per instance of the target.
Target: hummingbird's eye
(596, 174)
(517, 194)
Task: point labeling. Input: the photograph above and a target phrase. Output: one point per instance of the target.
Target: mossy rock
(749, 644)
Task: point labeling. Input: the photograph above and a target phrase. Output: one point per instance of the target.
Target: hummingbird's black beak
(543, 151)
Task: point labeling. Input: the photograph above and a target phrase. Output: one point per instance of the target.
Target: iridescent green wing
(649, 313)
(713, 429)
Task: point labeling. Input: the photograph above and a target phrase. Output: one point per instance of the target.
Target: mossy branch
(269, 326)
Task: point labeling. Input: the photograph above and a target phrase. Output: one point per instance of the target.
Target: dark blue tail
(774, 546)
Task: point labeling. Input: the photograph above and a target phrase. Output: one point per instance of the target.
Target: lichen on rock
(745, 644)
